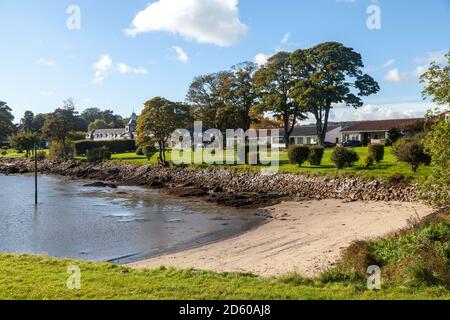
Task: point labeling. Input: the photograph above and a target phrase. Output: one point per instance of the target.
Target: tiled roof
(380, 125)
(109, 131)
(307, 131)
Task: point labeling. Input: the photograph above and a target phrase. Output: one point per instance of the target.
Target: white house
(127, 133)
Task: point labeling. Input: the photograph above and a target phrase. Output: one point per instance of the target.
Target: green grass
(38, 277)
(387, 168)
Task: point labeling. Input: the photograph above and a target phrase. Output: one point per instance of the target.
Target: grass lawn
(37, 277)
(389, 167)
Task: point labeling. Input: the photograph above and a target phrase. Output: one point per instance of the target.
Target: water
(98, 224)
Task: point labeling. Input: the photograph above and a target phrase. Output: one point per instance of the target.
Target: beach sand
(303, 237)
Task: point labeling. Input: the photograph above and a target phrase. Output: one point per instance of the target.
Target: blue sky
(102, 64)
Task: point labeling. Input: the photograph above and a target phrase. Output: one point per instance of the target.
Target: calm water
(97, 224)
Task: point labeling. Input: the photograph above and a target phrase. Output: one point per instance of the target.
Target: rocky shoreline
(225, 187)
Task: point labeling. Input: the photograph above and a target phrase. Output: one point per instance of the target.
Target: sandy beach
(303, 237)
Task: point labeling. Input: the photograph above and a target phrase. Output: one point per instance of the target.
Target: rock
(101, 185)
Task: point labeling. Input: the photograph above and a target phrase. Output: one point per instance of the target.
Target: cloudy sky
(118, 54)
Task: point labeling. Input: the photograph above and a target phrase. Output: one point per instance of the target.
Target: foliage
(343, 157)
(437, 144)
(437, 82)
(98, 124)
(159, 120)
(6, 121)
(274, 83)
(394, 135)
(115, 146)
(62, 151)
(330, 74)
(412, 152)
(24, 141)
(149, 151)
(298, 154)
(316, 155)
(98, 155)
(377, 150)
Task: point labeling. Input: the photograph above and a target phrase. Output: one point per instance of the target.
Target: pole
(35, 177)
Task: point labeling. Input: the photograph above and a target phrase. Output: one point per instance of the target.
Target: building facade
(127, 133)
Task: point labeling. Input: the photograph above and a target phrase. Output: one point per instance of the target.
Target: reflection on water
(122, 225)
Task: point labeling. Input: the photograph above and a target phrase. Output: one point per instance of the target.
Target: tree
(38, 123)
(89, 115)
(335, 76)
(411, 152)
(274, 83)
(241, 93)
(207, 98)
(437, 81)
(6, 121)
(394, 134)
(24, 141)
(437, 144)
(159, 119)
(58, 125)
(27, 121)
(98, 124)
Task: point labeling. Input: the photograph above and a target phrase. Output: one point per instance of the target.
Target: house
(307, 135)
(374, 131)
(127, 133)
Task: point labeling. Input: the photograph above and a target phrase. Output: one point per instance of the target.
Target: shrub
(377, 151)
(115, 146)
(316, 156)
(298, 154)
(394, 135)
(139, 151)
(4, 152)
(59, 152)
(343, 157)
(149, 151)
(370, 160)
(41, 155)
(411, 152)
(98, 155)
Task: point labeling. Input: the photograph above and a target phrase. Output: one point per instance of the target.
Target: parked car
(328, 144)
(352, 143)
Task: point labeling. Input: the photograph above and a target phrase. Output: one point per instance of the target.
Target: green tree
(394, 134)
(159, 119)
(6, 121)
(274, 83)
(437, 82)
(26, 123)
(59, 124)
(24, 141)
(98, 124)
(207, 97)
(335, 76)
(437, 145)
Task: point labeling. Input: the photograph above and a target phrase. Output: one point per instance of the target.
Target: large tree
(26, 123)
(159, 119)
(59, 124)
(25, 140)
(207, 97)
(335, 76)
(437, 82)
(6, 121)
(274, 82)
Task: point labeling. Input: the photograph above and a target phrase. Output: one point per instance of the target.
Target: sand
(303, 237)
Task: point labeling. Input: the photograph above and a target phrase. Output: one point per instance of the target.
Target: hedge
(114, 146)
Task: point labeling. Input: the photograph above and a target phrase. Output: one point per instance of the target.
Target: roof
(380, 125)
(109, 131)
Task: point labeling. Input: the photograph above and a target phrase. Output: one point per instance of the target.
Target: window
(300, 140)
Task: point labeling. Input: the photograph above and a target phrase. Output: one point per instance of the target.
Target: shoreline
(304, 238)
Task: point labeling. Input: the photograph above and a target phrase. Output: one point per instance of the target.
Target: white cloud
(261, 58)
(389, 63)
(381, 112)
(102, 68)
(206, 21)
(46, 93)
(286, 38)
(393, 75)
(123, 68)
(181, 55)
(45, 62)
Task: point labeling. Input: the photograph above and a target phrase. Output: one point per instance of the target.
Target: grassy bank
(415, 265)
(387, 168)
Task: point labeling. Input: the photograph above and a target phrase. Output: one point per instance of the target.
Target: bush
(298, 154)
(149, 151)
(370, 160)
(4, 152)
(98, 155)
(411, 152)
(139, 151)
(377, 151)
(115, 146)
(41, 155)
(343, 157)
(316, 156)
(58, 152)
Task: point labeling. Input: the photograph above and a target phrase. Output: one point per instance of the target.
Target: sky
(118, 54)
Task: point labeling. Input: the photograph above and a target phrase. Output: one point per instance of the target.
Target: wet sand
(303, 237)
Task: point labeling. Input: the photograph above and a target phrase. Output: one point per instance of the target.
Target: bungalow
(374, 131)
(307, 135)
